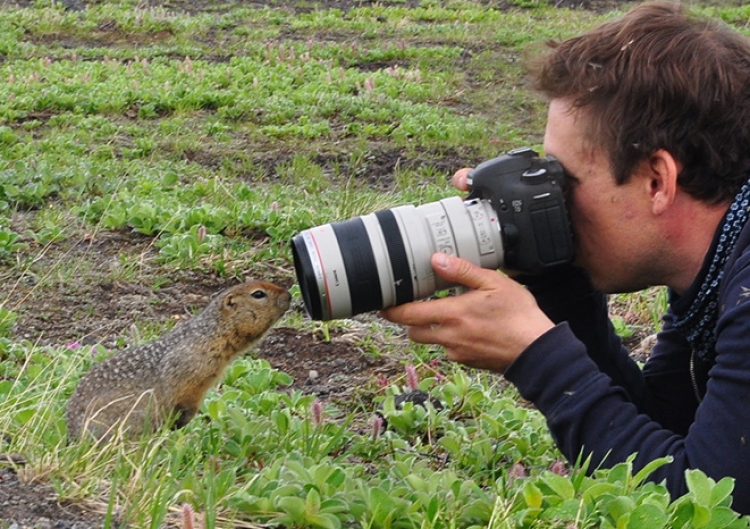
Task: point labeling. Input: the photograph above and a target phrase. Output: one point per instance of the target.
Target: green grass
(216, 137)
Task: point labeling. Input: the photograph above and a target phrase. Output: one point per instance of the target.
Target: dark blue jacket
(599, 402)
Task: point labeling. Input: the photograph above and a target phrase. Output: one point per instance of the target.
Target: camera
(513, 218)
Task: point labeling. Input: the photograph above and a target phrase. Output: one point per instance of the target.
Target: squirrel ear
(229, 302)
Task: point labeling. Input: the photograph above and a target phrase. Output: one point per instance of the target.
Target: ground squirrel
(166, 380)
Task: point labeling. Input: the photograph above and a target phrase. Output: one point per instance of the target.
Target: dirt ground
(98, 311)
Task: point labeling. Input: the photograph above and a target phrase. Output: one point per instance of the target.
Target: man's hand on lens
(486, 327)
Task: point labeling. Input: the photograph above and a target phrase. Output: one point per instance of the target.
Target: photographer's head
(650, 117)
(658, 78)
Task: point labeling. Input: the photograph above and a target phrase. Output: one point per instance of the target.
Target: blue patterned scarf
(698, 322)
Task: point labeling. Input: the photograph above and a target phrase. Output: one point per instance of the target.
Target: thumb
(460, 271)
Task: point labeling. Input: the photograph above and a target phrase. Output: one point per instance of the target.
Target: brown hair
(658, 78)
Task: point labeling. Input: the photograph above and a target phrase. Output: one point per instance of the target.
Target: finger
(460, 178)
(427, 334)
(463, 272)
(417, 313)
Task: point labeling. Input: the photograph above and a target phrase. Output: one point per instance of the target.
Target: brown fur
(164, 381)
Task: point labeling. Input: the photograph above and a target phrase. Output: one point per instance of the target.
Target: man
(650, 117)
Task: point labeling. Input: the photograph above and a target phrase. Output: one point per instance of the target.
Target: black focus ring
(399, 262)
(360, 265)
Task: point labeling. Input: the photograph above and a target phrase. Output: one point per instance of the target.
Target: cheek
(630, 212)
(580, 211)
(589, 227)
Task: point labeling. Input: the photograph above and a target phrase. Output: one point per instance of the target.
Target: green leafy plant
(10, 243)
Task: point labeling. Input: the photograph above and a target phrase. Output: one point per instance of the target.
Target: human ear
(661, 171)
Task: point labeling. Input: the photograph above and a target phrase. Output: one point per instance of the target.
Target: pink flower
(188, 516)
(316, 410)
(376, 426)
(558, 467)
(73, 345)
(516, 471)
(412, 379)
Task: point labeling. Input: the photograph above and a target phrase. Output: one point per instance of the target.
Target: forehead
(567, 135)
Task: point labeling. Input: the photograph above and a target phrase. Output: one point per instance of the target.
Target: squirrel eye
(258, 294)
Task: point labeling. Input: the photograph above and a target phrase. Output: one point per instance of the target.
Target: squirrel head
(253, 307)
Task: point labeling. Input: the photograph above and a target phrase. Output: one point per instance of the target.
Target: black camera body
(526, 192)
